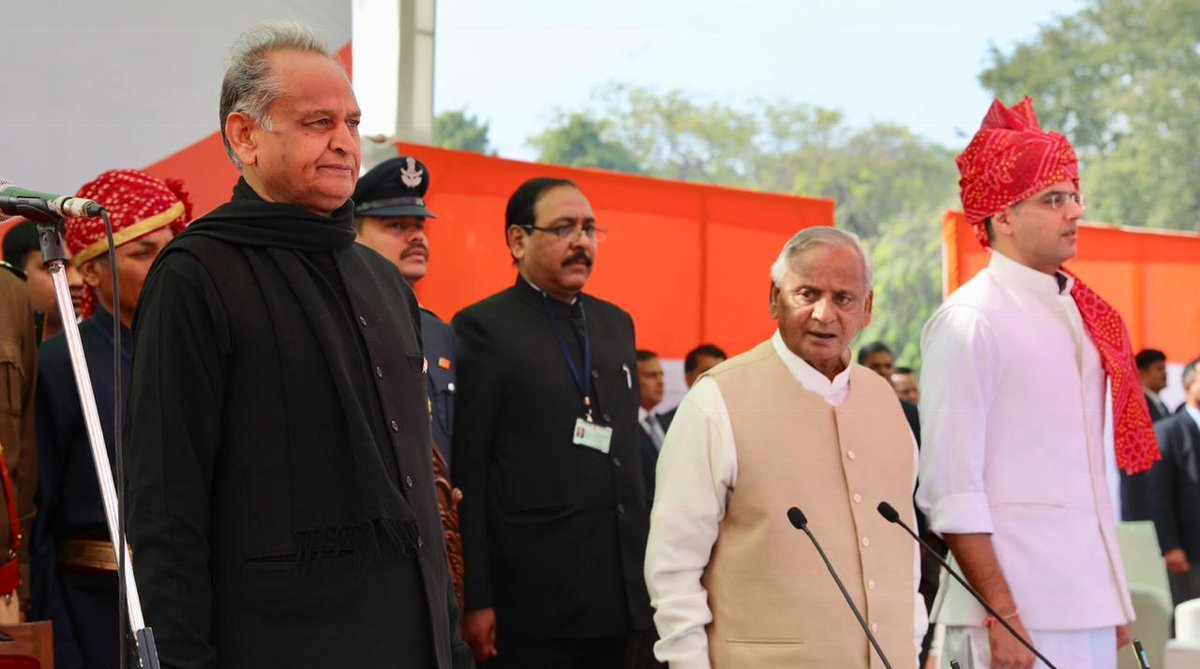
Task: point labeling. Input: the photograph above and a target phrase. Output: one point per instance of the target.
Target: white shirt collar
(1013, 273)
(642, 413)
(807, 376)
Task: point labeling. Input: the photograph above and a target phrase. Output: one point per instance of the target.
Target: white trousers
(1067, 649)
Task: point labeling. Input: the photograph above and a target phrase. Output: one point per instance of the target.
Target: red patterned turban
(137, 205)
(1010, 159)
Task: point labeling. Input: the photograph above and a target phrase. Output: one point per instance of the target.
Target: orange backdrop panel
(1148, 275)
(689, 262)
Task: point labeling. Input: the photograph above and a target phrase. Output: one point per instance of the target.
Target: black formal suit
(1174, 497)
(650, 454)
(1175, 480)
(554, 533)
(1158, 410)
(1136, 489)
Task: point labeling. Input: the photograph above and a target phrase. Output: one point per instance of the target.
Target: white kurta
(696, 474)
(1012, 422)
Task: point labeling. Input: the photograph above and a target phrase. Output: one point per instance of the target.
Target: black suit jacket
(650, 454)
(554, 533)
(1175, 482)
(1156, 414)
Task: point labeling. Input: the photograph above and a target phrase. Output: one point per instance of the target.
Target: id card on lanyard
(587, 431)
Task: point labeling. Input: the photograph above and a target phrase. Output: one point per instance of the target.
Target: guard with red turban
(1019, 365)
(74, 566)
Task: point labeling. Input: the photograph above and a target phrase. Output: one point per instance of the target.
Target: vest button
(616, 461)
(870, 585)
(379, 372)
(857, 498)
(395, 426)
(849, 454)
(866, 542)
(362, 320)
(620, 509)
(409, 482)
(875, 627)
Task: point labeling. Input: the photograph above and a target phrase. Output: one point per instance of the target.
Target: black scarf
(344, 498)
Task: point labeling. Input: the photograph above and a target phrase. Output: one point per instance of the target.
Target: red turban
(137, 205)
(1010, 159)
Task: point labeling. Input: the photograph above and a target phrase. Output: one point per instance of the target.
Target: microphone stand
(50, 228)
(800, 522)
(890, 514)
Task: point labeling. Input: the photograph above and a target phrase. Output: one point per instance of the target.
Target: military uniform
(396, 188)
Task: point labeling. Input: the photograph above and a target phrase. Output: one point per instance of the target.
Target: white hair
(249, 87)
(820, 236)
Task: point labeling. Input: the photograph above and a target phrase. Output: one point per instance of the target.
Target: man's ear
(90, 272)
(1002, 223)
(240, 130)
(870, 303)
(518, 241)
(773, 301)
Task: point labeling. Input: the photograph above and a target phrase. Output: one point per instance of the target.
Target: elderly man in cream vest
(791, 422)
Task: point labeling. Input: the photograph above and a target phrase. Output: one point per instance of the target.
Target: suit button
(849, 454)
(362, 320)
(420, 542)
(607, 418)
(620, 509)
(408, 481)
(379, 371)
(857, 498)
(595, 373)
(616, 461)
(395, 426)
(450, 386)
(870, 585)
(866, 542)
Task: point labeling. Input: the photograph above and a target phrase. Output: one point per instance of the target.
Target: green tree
(889, 185)
(1119, 78)
(580, 140)
(456, 129)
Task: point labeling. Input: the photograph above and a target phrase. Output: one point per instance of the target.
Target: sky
(514, 62)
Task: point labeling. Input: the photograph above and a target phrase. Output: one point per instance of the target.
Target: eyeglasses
(570, 231)
(1057, 199)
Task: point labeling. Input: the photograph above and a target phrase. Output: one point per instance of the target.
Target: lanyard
(582, 381)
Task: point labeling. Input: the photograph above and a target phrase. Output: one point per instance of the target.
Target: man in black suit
(1152, 368)
(546, 451)
(1137, 490)
(654, 425)
(1175, 490)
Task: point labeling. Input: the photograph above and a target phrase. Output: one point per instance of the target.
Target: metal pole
(55, 257)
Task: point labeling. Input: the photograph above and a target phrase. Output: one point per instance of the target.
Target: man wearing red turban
(1016, 365)
(74, 578)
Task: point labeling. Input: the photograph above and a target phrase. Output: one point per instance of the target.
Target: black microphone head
(797, 517)
(888, 512)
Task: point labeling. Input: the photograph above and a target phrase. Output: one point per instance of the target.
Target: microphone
(17, 201)
(800, 522)
(890, 514)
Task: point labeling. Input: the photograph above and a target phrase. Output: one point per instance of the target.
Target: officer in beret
(389, 217)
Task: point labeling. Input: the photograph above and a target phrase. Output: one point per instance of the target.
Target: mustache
(413, 249)
(580, 257)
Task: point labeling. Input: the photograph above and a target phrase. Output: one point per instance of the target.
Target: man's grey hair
(819, 236)
(1190, 373)
(249, 87)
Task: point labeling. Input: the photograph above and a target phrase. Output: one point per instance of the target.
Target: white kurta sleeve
(697, 468)
(959, 363)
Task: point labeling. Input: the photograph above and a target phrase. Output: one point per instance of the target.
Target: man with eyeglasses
(546, 451)
(1015, 365)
